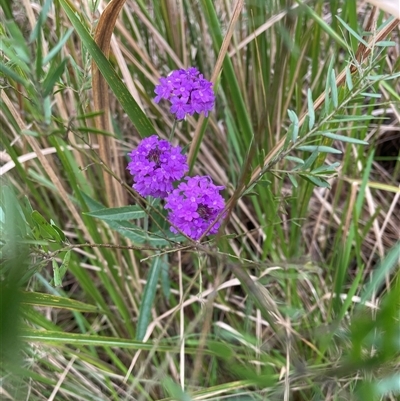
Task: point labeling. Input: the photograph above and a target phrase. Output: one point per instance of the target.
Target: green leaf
(56, 274)
(343, 138)
(349, 80)
(60, 232)
(13, 75)
(316, 148)
(293, 180)
(385, 43)
(62, 338)
(353, 32)
(65, 264)
(53, 52)
(373, 95)
(53, 301)
(325, 168)
(59, 272)
(128, 103)
(295, 159)
(175, 391)
(328, 94)
(165, 279)
(119, 213)
(148, 298)
(334, 91)
(18, 41)
(53, 76)
(294, 127)
(391, 261)
(45, 226)
(345, 118)
(308, 163)
(319, 182)
(311, 112)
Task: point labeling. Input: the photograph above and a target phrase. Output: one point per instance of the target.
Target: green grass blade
(39, 299)
(132, 109)
(148, 298)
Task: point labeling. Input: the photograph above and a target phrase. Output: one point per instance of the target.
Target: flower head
(194, 206)
(188, 91)
(155, 164)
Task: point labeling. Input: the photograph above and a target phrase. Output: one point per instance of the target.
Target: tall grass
(296, 298)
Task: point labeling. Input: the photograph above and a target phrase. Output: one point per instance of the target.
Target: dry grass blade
(107, 146)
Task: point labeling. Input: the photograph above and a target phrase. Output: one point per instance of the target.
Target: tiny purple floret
(194, 206)
(155, 165)
(188, 92)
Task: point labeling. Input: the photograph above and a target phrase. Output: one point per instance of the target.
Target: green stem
(171, 135)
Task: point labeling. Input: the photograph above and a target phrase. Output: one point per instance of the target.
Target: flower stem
(171, 135)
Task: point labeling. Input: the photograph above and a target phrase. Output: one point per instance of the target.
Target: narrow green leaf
(334, 91)
(18, 40)
(353, 32)
(53, 52)
(53, 76)
(349, 80)
(391, 261)
(56, 274)
(309, 162)
(47, 228)
(343, 138)
(373, 95)
(385, 43)
(165, 279)
(325, 168)
(323, 149)
(148, 298)
(311, 112)
(293, 180)
(60, 232)
(352, 118)
(60, 338)
(295, 159)
(12, 75)
(294, 127)
(319, 182)
(53, 301)
(119, 213)
(328, 96)
(29, 132)
(128, 103)
(64, 266)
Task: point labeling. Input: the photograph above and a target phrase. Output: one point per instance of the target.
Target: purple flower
(188, 91)
(194, 206)
(155, 165)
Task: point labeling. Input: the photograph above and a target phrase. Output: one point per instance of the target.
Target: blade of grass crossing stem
(148, 298)
(128, 103)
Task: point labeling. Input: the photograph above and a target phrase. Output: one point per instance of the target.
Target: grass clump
(296, 297)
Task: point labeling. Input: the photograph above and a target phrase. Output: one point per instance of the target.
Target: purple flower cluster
(188, 91)
(194, 206)
(155, 166)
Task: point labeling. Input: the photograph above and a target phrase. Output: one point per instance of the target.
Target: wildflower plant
(155, 165)
(195, 206)
(187, 91)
